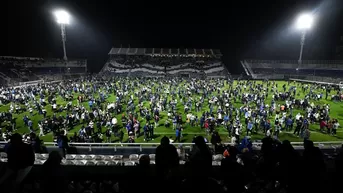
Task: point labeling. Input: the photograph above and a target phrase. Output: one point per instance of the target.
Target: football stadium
(172, 116)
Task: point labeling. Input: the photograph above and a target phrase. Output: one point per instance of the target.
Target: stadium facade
(165, 62)
(16, 71)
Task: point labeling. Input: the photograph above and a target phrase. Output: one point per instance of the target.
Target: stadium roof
(165, 51)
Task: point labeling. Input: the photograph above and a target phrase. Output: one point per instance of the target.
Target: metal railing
(176, 144)
(296, 62)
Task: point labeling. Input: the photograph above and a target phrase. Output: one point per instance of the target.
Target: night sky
(243, 29)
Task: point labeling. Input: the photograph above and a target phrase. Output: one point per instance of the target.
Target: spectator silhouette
(20, 160)
(167, 161)
(267, 161)
(53, 175)
(216, 142)
(200, 158)
(62, 142)
(144, 170)
(314, 168)
(200, 165)
(166, 157)
(338, 170)
(232, 172)
(288, 164)
(339, 161)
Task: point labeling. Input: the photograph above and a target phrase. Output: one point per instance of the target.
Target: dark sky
(241, 29)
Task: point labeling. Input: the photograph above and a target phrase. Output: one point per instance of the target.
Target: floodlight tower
(62, 18)
(304, 23)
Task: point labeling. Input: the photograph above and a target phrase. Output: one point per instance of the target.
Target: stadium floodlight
(63, 18)
(304, 23)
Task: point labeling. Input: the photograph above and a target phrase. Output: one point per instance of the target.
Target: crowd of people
(277, 167)
(102, 106)
(105, 107)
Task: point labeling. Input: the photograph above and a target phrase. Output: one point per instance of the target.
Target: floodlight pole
(64, 39)
(302, 43)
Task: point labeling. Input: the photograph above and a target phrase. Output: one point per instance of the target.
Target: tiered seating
(191, 51)
(174, 51)
(199, 51)
(123, 51)
(140, 51)
(183, 51)
(208, 51)
(148, 51)
(23, 69)
(102, 160)
(165, 51)
(132, 51)
(332, 69)
(164, 61)
(157, 50)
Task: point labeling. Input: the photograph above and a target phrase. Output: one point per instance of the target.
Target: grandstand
(326, 71)
(165, 62)
(20, 70)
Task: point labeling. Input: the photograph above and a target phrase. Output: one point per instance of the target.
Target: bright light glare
(305, 21)
(62, 17)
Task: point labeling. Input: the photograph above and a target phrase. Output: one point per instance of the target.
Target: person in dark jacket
(53, 175)
(62, 142)
(200, 158)
(20, 160)
(166, 157)
(231, 171)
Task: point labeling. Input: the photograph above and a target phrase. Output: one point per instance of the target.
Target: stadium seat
(88, 157)
(182, 162)
(216, 163)
(108, 157)
(112, 163)
(133, 157)
(129, 163)
(39, 162)
(152, 162)
(118, 157)
(152, 156)
(100, 163)
(141, 155)
(38, 156)
(90, 163)
(98, 157)
(3, 160)
(70, 156)
(217, 157)
(3, 154)
(80, 162)
(68, 162)
(45, 156)
(79, 157)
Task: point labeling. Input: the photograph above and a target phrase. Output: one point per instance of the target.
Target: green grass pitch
(336, 111)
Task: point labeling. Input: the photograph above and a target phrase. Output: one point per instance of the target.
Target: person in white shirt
(171, 140)
(233, 140)
(237, 133)
(41, 133)
(54, 107)
(91, 124)
(268, 134)
(335, 127)
(31, 111)
(65, 132)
